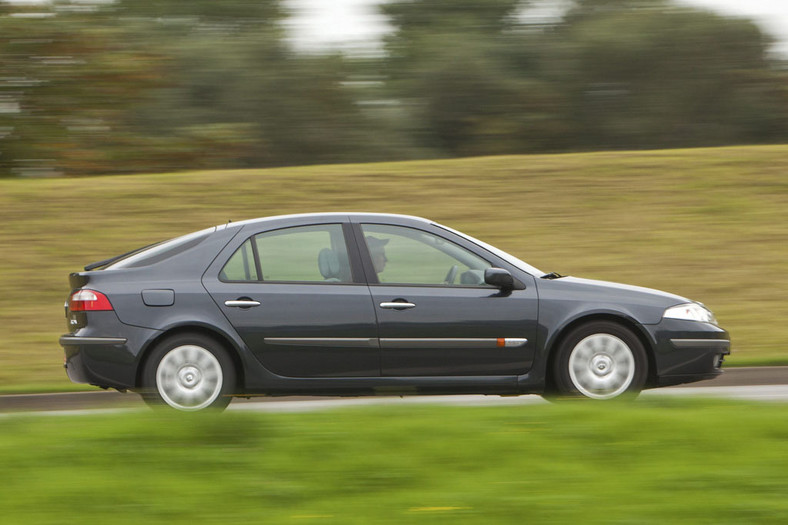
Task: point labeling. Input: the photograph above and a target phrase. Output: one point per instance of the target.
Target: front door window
(408, 256)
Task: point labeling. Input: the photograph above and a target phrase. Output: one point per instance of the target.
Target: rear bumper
(103, 362)
(108, 362)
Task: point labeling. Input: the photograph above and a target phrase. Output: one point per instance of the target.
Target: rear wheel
(600, 360)
(189, 372)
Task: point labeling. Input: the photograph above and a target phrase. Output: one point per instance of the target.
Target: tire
(189, 372)
(600, 360)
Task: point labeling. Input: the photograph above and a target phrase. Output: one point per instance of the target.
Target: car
(368, 304)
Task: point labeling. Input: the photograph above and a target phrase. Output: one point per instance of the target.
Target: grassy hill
(710, 224)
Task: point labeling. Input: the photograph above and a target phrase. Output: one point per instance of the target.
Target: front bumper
(687, 351)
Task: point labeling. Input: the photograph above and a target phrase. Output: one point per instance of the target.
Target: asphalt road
(760, 383)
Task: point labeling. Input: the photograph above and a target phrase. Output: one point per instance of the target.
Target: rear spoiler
(77, 280)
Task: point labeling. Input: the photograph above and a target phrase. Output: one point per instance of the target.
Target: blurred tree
(166, 85)
(451, 65)
(234, 83)
(275, 108)
(67, 82)
(130, 86)
(229, 12)
(237, 96)
(647, 73)
(487, 16)
(610, 74)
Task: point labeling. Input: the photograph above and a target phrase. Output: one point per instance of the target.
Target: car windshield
(511, 259)
(160, 251)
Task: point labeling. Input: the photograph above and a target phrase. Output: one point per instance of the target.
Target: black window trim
(256, 256)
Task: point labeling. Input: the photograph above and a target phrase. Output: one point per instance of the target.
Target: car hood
(580, 297)
(669, 298)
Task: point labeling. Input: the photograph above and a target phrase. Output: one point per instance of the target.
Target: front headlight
(690, 312)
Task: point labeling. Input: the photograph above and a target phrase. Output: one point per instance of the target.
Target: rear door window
(315, 254)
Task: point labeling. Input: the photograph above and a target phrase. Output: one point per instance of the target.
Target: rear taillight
(88, 301)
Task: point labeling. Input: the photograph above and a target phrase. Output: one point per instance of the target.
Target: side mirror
(499, 278)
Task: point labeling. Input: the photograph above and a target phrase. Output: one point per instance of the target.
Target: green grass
(651, 462)
(709, 224)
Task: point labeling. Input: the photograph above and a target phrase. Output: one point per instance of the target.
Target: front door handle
(242, 303)
(395, 305)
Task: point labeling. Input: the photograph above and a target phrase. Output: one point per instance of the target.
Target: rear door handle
(397, 305)
(242, 303)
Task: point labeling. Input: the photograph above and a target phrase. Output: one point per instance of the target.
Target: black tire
(189, 372)
(600, 360)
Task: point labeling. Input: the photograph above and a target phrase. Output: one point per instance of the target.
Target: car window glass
(306, 253)
(410, 256)
(241, 266)
(160, 251)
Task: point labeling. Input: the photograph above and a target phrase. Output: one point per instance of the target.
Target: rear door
(297, 299)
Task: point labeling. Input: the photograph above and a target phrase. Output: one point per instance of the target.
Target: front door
(436, 316)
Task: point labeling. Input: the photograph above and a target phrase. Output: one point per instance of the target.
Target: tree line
(167, 85)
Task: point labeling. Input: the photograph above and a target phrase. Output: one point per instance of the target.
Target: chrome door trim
(326, 342)
(452, 342)
(396, 342)
(510, 342)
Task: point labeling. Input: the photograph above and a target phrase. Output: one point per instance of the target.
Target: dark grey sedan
(364, 304)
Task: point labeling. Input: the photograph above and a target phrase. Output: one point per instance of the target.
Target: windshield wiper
(552, 275)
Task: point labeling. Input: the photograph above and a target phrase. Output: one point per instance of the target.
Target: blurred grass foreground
(708, 224)
(649, 462)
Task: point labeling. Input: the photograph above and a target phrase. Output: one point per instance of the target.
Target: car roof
(328, 215)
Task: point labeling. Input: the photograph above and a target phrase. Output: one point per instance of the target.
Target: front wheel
(190, 373)
(600, 360)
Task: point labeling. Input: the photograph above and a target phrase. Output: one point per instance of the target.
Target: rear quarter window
(241, 266)
(161, 251)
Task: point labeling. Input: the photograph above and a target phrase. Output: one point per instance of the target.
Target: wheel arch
(221, 338)
(621, 319)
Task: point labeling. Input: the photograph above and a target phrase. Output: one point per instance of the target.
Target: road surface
(754, 383)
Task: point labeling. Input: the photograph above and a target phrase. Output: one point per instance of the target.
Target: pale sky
(337, 23)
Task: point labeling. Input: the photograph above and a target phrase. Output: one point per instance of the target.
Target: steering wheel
(451, 275)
